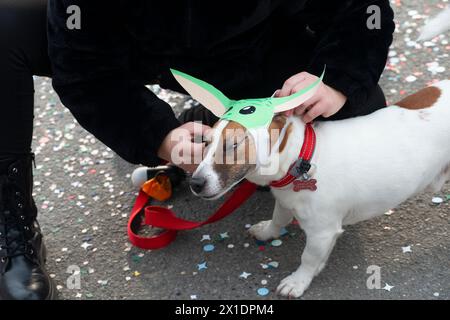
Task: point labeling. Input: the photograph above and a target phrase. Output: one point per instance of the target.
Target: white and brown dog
(361, 168)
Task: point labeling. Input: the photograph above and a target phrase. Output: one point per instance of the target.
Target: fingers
(290, 83)
(294, 85)
(315, 111)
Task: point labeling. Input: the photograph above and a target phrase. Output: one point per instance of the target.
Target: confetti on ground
(437, 200)
(208, 248)
(202, 266)
(388, 213)
(248, 226)
(273, 264)
(244, 275)
(230, 246)
(388, 287)
(224, 235)
(263, 291)
(436, 294)
(193, 297)
(86, 245)
(264, 282)
(406, 249)
(411, 78)
(276, 243)
(206, 237)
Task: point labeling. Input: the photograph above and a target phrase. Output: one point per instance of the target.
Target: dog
(363, 166)
(360, 168)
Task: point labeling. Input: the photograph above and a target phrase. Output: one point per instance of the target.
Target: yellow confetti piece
(136, 273)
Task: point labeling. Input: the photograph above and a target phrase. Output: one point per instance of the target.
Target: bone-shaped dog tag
(305, 185)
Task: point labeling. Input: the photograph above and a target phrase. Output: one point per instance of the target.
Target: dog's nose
(197, 184)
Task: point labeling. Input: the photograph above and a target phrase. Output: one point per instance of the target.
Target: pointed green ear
(296, 99)
(206, 94)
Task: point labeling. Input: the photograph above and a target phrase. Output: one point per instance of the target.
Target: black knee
(23, 36)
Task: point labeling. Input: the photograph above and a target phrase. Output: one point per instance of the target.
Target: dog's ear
(296, 99)
(203, 92)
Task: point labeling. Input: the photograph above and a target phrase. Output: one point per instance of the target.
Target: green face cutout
(250, 113)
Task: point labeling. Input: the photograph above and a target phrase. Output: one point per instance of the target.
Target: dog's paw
(264, 230)
(293, 286)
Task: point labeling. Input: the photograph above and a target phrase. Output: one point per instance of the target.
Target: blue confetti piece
(202, 266)
(260, 243)
(284, 232)
(276, 243)
(263, 291)
(208, 248)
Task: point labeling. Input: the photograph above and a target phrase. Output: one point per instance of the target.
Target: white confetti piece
(406, 249)
(388, 287)
(437, 200)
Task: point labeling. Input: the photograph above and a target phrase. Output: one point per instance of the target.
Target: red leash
(164, 218)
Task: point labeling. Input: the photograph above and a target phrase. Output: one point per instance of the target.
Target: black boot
(22, 250)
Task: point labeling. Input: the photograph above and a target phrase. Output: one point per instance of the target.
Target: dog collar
(300, 168)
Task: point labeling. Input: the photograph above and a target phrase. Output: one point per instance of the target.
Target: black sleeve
(354, 54)
(91, 75)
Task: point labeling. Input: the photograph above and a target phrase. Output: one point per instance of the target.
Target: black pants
(23, 53)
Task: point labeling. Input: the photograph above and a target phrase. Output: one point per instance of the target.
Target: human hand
(183, 146)
(325, 102)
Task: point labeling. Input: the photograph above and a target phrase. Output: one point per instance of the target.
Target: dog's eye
(247, 110)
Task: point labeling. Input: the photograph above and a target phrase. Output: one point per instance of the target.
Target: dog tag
(305, 185)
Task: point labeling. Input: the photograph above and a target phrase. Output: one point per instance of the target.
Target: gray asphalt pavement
(84, 195)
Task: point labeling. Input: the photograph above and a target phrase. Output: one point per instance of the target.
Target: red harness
(165, 218)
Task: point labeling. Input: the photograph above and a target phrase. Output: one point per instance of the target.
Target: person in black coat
(100, 69)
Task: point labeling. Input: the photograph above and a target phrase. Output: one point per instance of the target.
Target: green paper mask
(250, 113)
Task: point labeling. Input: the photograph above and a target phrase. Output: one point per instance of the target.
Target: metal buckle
(300, 168)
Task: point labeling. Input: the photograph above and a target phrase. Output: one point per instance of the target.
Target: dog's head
(242, 138)
(231, 154)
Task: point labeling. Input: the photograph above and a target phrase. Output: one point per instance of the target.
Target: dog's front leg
(319, 245)
(270, 229)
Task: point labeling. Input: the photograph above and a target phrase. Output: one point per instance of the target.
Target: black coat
(100, 71)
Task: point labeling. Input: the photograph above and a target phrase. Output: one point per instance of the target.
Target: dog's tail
(436, 25)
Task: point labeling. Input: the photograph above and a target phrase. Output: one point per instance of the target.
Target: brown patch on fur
(230, 172)
(422, 99)
(278, 123)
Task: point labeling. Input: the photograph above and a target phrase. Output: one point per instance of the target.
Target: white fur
(365, 166)
(436, 26)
